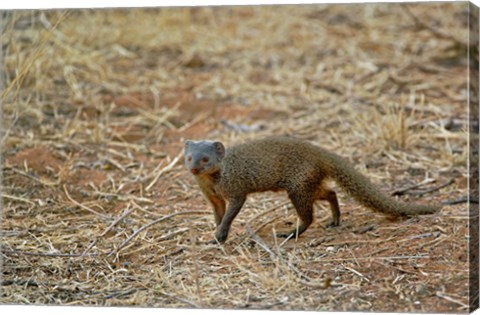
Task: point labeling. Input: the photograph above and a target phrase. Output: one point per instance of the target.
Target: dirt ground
(98, 208)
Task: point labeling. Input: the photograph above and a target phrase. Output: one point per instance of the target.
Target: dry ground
(99, 210)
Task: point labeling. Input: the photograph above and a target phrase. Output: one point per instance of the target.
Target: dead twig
(405, 191)
(153, 223)
(357, 273)
(450, 299)
(466, 199)
(122, 293)
(83, 206)
(25, 283)
(18, 199)
(120, 218)
(164, 170)
(22, 253)
(37, 179)
(421, 193)
(402, 191)
(123, 197)
(373, 258)
(314, 284)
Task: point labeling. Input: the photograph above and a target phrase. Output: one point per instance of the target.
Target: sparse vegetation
(99, 210)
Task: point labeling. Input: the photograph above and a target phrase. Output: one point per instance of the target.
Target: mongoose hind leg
(330, 196)
(304, 206)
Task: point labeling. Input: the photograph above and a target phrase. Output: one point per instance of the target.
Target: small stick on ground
(466, 199)
(357, 273)
(21, 253)
(373, 258)
(18, 199)
(402, 191)
(153, 223)
(83, 206)
(446, 297)
(42, 181)
(120, 218)
(318, 285)
(164, 170)
(421, 193)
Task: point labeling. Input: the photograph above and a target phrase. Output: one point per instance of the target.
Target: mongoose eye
(206, 159)
(189, 158)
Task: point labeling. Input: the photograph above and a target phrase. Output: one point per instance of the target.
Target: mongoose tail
(363, 191)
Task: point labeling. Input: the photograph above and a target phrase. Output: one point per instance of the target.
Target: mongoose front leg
(218, 204)
(234, 206)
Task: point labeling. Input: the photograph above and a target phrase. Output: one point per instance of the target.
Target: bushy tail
(362, 190)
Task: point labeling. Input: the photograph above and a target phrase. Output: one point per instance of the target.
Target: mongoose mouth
(195, 171)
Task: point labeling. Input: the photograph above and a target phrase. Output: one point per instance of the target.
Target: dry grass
(98, 210)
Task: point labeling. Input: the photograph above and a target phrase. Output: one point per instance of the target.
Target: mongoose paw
(286, 235)
(220, 236)
(333, 223)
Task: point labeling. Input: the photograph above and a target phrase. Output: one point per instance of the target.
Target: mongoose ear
(219, 149)
(188, 143)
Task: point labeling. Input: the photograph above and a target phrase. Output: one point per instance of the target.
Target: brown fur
(281, 163)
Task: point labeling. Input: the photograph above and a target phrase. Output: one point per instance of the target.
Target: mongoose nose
(195, 171)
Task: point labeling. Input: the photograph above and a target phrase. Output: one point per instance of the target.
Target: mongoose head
(203, 157)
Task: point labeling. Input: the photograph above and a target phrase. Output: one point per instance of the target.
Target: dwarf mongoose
(281, 163)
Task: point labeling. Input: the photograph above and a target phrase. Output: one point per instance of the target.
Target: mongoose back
(282, 163)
